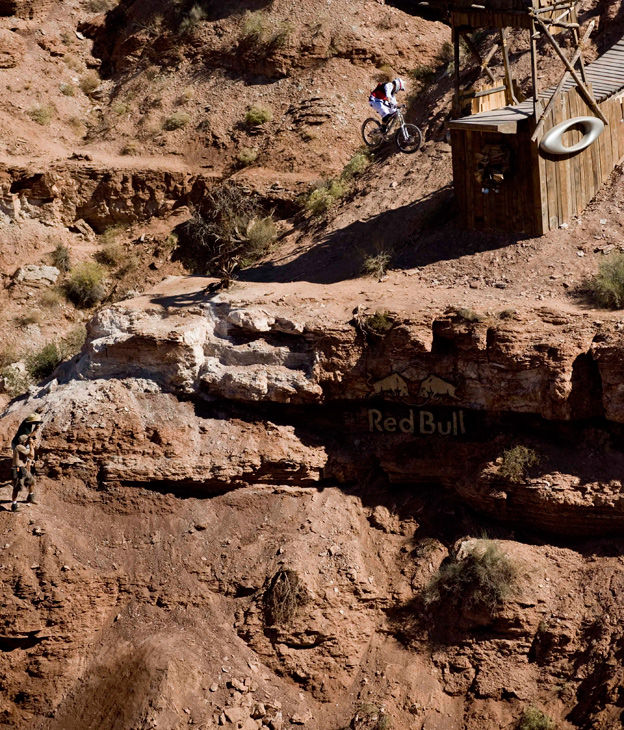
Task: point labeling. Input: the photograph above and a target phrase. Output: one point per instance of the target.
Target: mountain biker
(384, 102)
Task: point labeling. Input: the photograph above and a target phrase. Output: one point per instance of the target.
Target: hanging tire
(372, 133)
(409, 138)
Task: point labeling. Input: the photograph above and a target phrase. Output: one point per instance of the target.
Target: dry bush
(516, 462)
(467, 314)
(33, 317)
(89, 82)
(377, 265)
(481, 581)
(258, 115)
(51, 299)
(61, 258)
(130, 149)
(606, 289)
(283, 598)
(67, 90)
(195, 15)
(41, 114)
(85, 285)
(77, 124)
(247, 156)
(176, 121)
(229, 229)
(74, 340)
(370, 717)
(120, 108)
(385, 74)
(111, 255)
(534, 719)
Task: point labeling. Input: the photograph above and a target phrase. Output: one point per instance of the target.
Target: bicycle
(408, 137)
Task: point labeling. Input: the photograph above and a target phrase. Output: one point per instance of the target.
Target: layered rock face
(426, 402)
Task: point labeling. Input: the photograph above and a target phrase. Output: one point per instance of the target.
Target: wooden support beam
(551, 101)
(456, 56)
(534, 37)
(510, 96)
(586, 94)
(477, 55)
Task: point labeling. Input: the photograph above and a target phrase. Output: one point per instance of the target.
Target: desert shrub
(74, 340)
(130, 149)
(42, 363)
(111, 255)
(129, 264)
(8, 355)
(321, 199)
(380, 323)
(176, 121)
(111, 234)
(32, 317)
(371, 717)
(283, 598)
(16, 381)
(481, 581)
(534, 719)
(376, 265)
(507, 314)
(446, 53)
(51, 299)
(85, 285)
(261, 233)
(67, 90)
(77, 124)
(61, 258)
(606, 289)
(72, 62)
(89, 82)
(423, 75)
(385, 74)
(186, 96)
(120, 108)
(247, 156)
(195, 15)
(356, 166)
(229, 228)
(469, 315)
(259, 35)
(258, 115)
(41, 114)
(516, 462)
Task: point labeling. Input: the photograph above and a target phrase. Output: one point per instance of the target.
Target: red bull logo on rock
(418, 422)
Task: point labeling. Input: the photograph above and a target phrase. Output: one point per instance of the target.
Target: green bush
(606, 289)
(42, 114)
(380, 323)
(482, 580)
(85, 285)
(195, 15)
(120, 108)
(16, 382)
(247, 156)
(258, 115)
(176, 121)
(534, 719)
(42, 363)
(67, 89)
(321, 199)
(261, 233)
(356, 166)
(516, 462)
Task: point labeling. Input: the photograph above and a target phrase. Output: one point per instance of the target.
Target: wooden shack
(504, 179)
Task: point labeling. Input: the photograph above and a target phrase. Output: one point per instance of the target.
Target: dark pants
(21, 478)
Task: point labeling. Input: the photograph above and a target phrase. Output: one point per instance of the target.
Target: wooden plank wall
(571, 182)
(512, 209)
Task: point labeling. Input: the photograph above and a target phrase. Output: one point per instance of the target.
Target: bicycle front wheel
(372, 134)
(408, 138)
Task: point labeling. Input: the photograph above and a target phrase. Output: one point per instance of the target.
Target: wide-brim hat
(34, 418)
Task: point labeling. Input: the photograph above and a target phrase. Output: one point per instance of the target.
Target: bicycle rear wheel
(372, 133)
(408, 138)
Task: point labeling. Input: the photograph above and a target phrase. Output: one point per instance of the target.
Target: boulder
(36, 275)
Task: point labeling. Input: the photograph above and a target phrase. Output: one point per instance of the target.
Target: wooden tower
(506, 175)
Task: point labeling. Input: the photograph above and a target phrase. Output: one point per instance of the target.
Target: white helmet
(399, 85)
